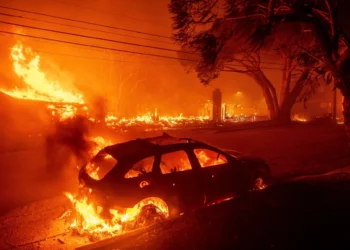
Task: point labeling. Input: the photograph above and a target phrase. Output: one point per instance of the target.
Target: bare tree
(125, 78)
(219, 43)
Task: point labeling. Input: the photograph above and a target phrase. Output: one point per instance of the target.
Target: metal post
(335, 105)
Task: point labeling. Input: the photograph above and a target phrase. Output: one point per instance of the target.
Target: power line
(97, 46)
(102, 59)
(110, 40)
(91, 37)
(113, 49)
(85, 22)
(115, 60)
(40, 40)
(103, 11)
(84, 28)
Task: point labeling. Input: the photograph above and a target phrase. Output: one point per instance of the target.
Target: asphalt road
(265, 219)
(289, 151)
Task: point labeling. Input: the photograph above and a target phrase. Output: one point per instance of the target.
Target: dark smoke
(68, 141)
(100, 109)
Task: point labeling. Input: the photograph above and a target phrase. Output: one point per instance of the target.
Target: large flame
(26, 64)
(91, 218)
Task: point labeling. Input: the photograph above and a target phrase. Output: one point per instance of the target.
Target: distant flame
(26, 64)
(299, 118)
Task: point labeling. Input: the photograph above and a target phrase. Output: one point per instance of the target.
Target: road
(290, 151)
(309, 214)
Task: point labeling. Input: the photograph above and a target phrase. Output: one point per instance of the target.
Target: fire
(100, 143)
(94, 220)
(63, 111)
(26, 64)
(38, 86)
(299, 118)
(92, 171)
(152, 119)
(206, 160)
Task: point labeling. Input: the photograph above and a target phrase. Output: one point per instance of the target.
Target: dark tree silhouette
(231, 36)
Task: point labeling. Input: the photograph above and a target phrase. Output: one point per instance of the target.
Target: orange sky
(133, 81)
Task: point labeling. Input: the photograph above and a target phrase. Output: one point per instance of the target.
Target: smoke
(67, 144)
(100, 109)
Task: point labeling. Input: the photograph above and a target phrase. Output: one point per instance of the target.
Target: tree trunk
(346, 113)
(284, 115)
(260, 79)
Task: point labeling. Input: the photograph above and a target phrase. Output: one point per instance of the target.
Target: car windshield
(100, 165)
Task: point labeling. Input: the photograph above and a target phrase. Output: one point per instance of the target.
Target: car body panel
(190, 186)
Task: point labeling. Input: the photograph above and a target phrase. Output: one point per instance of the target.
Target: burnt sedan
(181, 173)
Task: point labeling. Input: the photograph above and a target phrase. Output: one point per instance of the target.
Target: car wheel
(260, 181)
(151, 210)
(149, 214)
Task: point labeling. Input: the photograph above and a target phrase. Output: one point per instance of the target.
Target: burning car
(176, 174)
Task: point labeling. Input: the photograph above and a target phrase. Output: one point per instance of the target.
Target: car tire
(260, 180)
(149, 214)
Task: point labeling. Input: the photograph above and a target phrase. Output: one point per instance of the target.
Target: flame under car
(182, 174)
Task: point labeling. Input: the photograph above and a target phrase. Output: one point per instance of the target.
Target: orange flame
(26, 65)
(91, 222)
(299, 118)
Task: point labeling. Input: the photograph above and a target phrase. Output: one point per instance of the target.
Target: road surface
(37, 221)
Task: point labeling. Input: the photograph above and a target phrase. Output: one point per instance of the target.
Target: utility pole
(335, 105)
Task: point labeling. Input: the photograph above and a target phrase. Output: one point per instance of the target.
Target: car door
(178, 179)
(220, 177)
(138, 182)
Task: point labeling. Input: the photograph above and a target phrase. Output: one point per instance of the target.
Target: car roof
(141, 148)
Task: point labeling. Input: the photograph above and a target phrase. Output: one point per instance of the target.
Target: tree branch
(231, 69)
(333, 28)
(313, 56)
(271, 9)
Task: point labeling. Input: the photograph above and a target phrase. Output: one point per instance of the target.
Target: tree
(322, 19)
(220, 43)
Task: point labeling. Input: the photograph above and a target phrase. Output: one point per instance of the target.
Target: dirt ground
(32, 204)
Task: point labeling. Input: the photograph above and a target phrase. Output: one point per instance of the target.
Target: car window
(140, 168)
(100, 165)
(208, 158)
(174, 162)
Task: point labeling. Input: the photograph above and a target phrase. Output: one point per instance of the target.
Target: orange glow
(91, 169)
(299, 118)
(144, 184)
(100, 143)
(90, 221)
(38, 87)
(208, 158)
(149, 119)
(62, 112)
